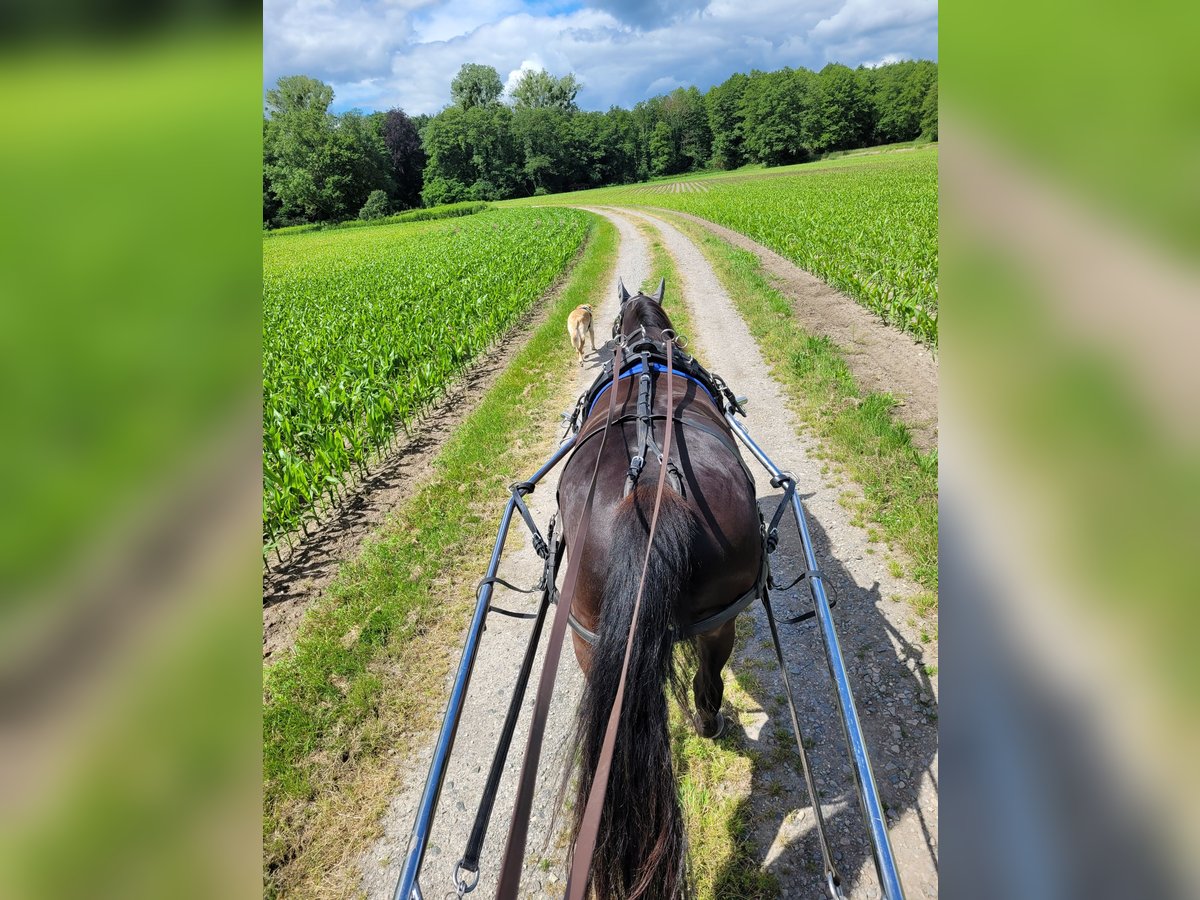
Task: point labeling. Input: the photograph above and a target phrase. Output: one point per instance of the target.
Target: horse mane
(649, 312)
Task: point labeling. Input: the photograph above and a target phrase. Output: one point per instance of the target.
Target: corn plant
(362, 328)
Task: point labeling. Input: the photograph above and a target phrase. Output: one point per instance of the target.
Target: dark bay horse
(707, 553)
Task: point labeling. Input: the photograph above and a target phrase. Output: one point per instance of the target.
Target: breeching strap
(518, 832)
(585, 843)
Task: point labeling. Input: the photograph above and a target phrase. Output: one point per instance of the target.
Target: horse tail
(640, 847)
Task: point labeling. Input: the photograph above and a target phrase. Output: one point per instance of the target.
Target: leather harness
(645, 358)
(652, 357)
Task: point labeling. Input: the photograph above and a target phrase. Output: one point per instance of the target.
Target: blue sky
(383, 53)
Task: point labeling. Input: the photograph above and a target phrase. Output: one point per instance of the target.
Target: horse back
(715, 486)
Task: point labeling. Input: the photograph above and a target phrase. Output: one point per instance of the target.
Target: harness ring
(461, 883)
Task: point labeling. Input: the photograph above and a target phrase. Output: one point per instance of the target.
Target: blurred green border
(130, 327)
(130, 332)
(1102, 99)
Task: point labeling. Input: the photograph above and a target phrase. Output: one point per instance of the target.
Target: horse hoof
(718, 730)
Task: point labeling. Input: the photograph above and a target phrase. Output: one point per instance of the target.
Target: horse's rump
(716, 488)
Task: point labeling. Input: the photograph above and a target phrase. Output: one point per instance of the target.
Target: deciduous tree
(407, 157)
(476, 85)
(538, 89)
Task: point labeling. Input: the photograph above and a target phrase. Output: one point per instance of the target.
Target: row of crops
(867, 225)
(362, 328)
(447, 211)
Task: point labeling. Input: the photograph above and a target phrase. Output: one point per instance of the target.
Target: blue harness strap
(654, 367)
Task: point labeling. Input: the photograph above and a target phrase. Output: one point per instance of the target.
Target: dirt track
(881, 641)
(897, 699)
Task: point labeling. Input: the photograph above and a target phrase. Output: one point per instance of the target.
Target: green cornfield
(867, 225)
(362, 328)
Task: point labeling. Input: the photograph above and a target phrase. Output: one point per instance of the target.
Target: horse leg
(713, 650)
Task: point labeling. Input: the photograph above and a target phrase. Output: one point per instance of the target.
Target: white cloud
(332, 37)
(461, 17)
(527, 65)
(382, 54)
(865, 17)
(663, 85)
(885, 60)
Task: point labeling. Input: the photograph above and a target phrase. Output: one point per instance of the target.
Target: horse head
(641, 311)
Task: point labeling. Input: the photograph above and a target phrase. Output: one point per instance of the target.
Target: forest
(486, 145)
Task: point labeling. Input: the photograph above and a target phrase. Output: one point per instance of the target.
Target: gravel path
(881, 640)
(496, 667)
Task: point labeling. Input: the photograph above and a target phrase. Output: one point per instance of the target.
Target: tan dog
(579, 324)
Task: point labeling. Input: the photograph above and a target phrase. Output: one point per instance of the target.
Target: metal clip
(834, 884)
(462, 888)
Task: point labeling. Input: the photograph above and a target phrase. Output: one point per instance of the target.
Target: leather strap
(518, 832)
(585, 842)
(716, 620)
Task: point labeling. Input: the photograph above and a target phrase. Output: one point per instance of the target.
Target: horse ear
(622, 294)
(662, 287)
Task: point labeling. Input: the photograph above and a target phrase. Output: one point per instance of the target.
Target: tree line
(320, 167)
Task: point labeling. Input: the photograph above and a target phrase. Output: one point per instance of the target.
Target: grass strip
(715, 780)
(714, 777)
(366, 676)
(857, 431)
(662, 265)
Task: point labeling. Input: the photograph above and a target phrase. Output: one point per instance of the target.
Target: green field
(364, 327)
(447, 211)
(867, 224)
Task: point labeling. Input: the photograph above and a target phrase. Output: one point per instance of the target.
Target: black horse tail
(640, 848)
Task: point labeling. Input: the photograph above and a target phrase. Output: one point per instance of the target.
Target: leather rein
(585, 842)
(581, 860)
